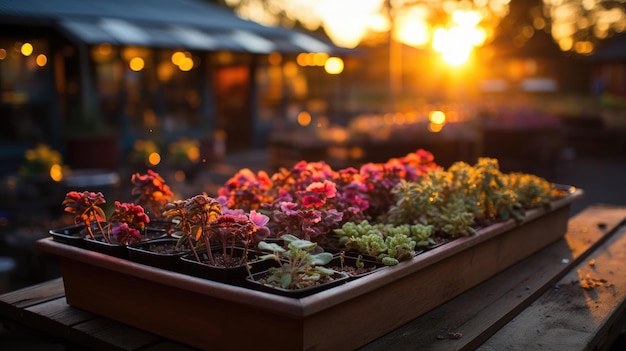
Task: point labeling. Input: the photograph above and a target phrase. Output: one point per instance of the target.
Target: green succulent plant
(298, 266)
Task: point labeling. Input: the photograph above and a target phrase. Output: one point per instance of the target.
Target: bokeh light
(41, 60)
(334, 65)
(154, 158)
(304, 118)
(56, 172)
(136, 64)
(26, 49)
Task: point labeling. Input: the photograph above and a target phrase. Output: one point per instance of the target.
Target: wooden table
(568, 296)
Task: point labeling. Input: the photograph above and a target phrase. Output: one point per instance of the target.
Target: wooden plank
(40, 308)
(34, 294)
(109, 332)
(168, 346)
(57, 311)
(479, 312)
(570, 317)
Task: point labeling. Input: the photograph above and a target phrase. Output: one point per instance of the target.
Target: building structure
(90, 78)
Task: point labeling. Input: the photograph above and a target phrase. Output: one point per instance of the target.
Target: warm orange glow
(290, 69)
(301, 59)
(411, 27)
(275, 58)
(437, 117)
(435, 128)
(457, 42)
(193, 154)
(136, 64)
(179, 176)
(177, 57)
(312, 59)
(583, 47)
(349, 22)
(356, 153)
(26, 49)
(41, 60)
(154, 158)
(3, 54)
(105, 49)
(348, 30)
(165, 70)
(334, 65)
(309, 59)
(304, 118)
(102, 52)
(186, 64)
(320, 58)
(56, 172)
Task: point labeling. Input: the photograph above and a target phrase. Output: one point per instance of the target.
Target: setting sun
(455, 44)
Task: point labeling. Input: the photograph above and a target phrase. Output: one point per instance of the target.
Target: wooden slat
(57, 311)
(56, 319)
(34, 294)
(569, 316)
(480, 312)
(168, 346)
(105, 331)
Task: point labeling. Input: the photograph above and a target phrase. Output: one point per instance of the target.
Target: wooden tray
(216, 316)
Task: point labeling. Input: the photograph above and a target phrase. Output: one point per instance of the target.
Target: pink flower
(327, 187)
(260, 222)
(289, 208)
(259, 219)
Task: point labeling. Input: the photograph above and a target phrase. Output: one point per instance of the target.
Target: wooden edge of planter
(291, 307)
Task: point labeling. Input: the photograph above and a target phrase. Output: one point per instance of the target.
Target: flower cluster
(311, 199)
(246, 190)
(151, 191)
(310, 213)
(381, 178)
(202, 220)
(126, 223)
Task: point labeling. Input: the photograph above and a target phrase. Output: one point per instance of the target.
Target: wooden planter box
(216, 316)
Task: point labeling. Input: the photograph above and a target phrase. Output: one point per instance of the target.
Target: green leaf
(322, 258)
(302, 244)
(289, 238)
(182, 239)
(285, 280)
(270, 247)
(268, 257)
(390, 261)
(325, 271)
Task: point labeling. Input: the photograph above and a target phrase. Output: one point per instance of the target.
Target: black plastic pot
(150, 253)
(253, 282)
(234, 274)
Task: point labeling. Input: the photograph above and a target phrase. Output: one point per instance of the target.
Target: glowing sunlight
(455, 44)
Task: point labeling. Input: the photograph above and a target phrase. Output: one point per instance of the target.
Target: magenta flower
(126, 235)
(259, 219)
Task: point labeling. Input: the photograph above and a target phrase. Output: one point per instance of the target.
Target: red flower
(151, 191)
(326, 187)
(125, 234)
(131, 214)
